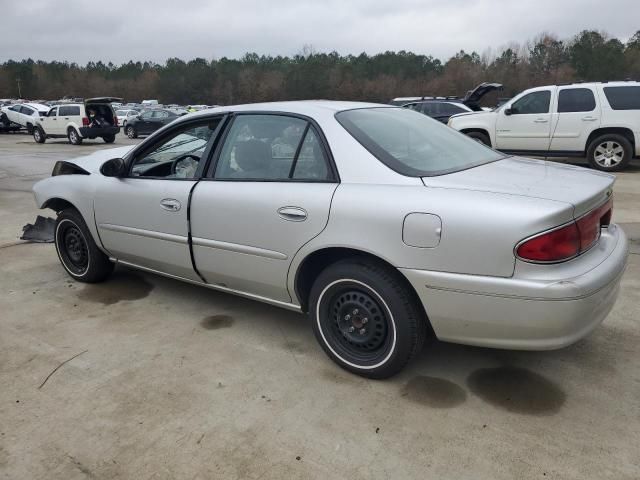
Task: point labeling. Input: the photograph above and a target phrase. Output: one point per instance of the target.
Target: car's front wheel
(78, 253)
(131, 132)
(366, 317)
(38, 135)
(74, 137)
(610, 152)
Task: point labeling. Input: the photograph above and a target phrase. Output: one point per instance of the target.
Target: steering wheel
(174, 164)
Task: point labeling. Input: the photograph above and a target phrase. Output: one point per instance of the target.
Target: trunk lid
(583, 188)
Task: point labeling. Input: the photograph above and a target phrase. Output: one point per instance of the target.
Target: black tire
(109, 138)
(78, 253)
(610, 152)
(366, 317)
(74, 137)
(480, 137)
(131, 132)
(29, 128)
(38, 135)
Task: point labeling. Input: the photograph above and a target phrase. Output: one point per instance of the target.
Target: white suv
(76, 121)
(25, 114)
(598, 120)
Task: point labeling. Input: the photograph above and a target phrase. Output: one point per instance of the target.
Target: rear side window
(68, 111)
(27, 111)
(534, 102)
(272, 147)
(623, 98)
(451, 109)
(52, 112)
(576, 100)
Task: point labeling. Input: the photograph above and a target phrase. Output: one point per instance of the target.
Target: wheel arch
(58, 204)
(484, 131)
(625, 132)
(315, 262)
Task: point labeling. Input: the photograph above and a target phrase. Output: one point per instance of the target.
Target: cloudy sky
(81, 30)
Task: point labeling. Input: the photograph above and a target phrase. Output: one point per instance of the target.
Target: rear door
(143, 218)
(525, 123)
(266, 196)
(577, 115)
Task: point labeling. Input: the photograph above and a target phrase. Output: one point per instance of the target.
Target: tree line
(588, 56)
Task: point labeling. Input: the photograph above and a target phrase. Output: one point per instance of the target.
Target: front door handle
(541, 120)
(589, 119)
(170, 204)
(293, 214)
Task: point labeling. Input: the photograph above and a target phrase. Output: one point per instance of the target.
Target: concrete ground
(176, 381)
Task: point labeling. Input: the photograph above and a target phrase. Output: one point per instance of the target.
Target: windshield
(412, 143)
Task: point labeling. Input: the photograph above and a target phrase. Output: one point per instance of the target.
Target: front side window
(623, 98)
(160, 114)
(576, 100)
(121, 113)
(413, 144)
(177, 155)
(532, 103)
(272, 147)
(146, 115)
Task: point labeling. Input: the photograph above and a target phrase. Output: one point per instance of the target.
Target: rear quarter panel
(479, 229)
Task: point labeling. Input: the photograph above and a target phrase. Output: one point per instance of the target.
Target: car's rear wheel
(610, 152)
(131, 132)
(74, 137)
(78, 253)
(480, 137)
(38, 135)
(366, 318)
(29, 128)
(109, 138)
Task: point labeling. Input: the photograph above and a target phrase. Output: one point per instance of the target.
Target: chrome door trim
(238, 248)
(220, 288)
(144, 233)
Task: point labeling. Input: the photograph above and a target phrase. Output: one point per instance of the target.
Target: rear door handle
(589, 119)
(541, 120)
(170, 204)
(293, 214)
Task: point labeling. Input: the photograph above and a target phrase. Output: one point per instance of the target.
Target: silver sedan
(383, 225)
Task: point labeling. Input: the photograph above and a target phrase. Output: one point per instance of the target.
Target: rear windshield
(623, 98)
(412, 143)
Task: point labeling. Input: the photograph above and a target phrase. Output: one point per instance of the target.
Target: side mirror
(113, 168)
(508, 111)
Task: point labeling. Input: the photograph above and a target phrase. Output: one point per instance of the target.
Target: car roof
(300, 107)
(35, 105)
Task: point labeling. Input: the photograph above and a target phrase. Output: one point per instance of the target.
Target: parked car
(443, 108)
(6, 125)
(25, 114)
(149, 121)
(76, 122)
(598, 120)
(377, 221)
(125, 115)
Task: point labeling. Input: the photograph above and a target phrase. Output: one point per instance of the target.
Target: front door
(268, 194)
(143, 218)
(525, 124)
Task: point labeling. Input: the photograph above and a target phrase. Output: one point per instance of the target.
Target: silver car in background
(382, 224)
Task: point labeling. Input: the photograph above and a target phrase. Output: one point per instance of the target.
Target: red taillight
(85, 121)
(568, 241)
(115, 121)
(553, 246)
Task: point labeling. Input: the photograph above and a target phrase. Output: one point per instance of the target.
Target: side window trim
(298, 150)
(212, 164)
(206, 155)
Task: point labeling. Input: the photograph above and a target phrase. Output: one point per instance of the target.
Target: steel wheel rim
(72, 134)
(608, 154)
(73, 248)
(130, 132)
(359, 342)
(37, 135)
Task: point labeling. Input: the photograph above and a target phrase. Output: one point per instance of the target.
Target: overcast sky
(82, 30)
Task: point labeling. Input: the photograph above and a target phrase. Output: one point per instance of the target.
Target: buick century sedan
(383, 225)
